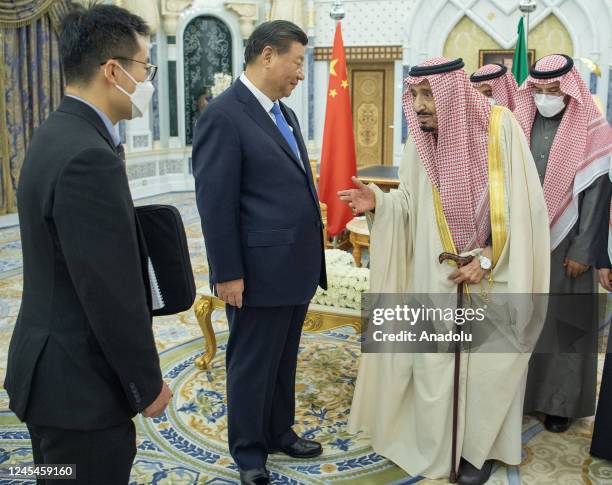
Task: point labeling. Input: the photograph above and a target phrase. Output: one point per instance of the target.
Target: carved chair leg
(357, 255)
(203, 312)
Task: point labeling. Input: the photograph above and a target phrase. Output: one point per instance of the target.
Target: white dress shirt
(266, 103)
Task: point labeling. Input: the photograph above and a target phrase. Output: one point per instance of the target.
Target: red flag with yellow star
(338, 160)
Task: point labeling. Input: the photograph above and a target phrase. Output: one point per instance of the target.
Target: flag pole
(527, 33)
(526, 7)
(337, 13)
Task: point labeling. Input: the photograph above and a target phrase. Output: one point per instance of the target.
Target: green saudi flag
(520, 62)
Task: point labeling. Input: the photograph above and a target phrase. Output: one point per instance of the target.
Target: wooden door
(372, 106)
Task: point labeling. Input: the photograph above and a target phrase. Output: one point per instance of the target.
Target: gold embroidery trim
(496, 184)
(445, 235)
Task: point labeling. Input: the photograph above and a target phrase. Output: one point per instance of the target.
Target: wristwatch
(485, 263)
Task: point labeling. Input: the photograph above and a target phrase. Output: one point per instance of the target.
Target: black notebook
(170, 274)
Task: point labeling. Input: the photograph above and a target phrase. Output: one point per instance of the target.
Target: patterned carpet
(188, 444)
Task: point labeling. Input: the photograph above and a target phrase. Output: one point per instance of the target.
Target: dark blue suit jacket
(258, 203)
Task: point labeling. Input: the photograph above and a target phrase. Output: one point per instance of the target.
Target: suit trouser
(601, 446)
(261, 362)
(102, 457)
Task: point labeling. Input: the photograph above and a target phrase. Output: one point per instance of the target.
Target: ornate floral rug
(188, 445)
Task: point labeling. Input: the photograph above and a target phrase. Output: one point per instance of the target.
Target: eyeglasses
(151, 69)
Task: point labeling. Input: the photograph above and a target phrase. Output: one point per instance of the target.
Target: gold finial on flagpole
(337, 12)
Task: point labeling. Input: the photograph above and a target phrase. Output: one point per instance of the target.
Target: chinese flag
(338, 161)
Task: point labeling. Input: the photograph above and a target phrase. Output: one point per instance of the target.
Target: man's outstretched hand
(361, 199)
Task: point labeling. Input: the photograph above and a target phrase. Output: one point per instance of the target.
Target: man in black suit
(263, 233)
(82, 360)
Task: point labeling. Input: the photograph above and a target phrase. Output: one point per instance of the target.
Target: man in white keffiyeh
(571, 143)
(404, 401)
(496, 83)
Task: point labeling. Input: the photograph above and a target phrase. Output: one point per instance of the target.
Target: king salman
(467, 186)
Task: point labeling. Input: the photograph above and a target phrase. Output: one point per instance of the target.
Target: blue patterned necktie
(285, 129)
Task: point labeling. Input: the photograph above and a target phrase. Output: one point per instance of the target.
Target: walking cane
(459, 261)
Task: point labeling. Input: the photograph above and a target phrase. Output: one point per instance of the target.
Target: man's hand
(604, 278)
(157, 407)
(361, 199)
(574, 269)
(471, 273)
(231, 292)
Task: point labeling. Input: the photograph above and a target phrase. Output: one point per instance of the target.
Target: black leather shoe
(301, 449)
(254, 476)
(557, 424)
(470, 475)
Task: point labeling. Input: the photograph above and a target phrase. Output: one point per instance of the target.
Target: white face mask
(549, 105)
(141, 97)
(492, 101)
